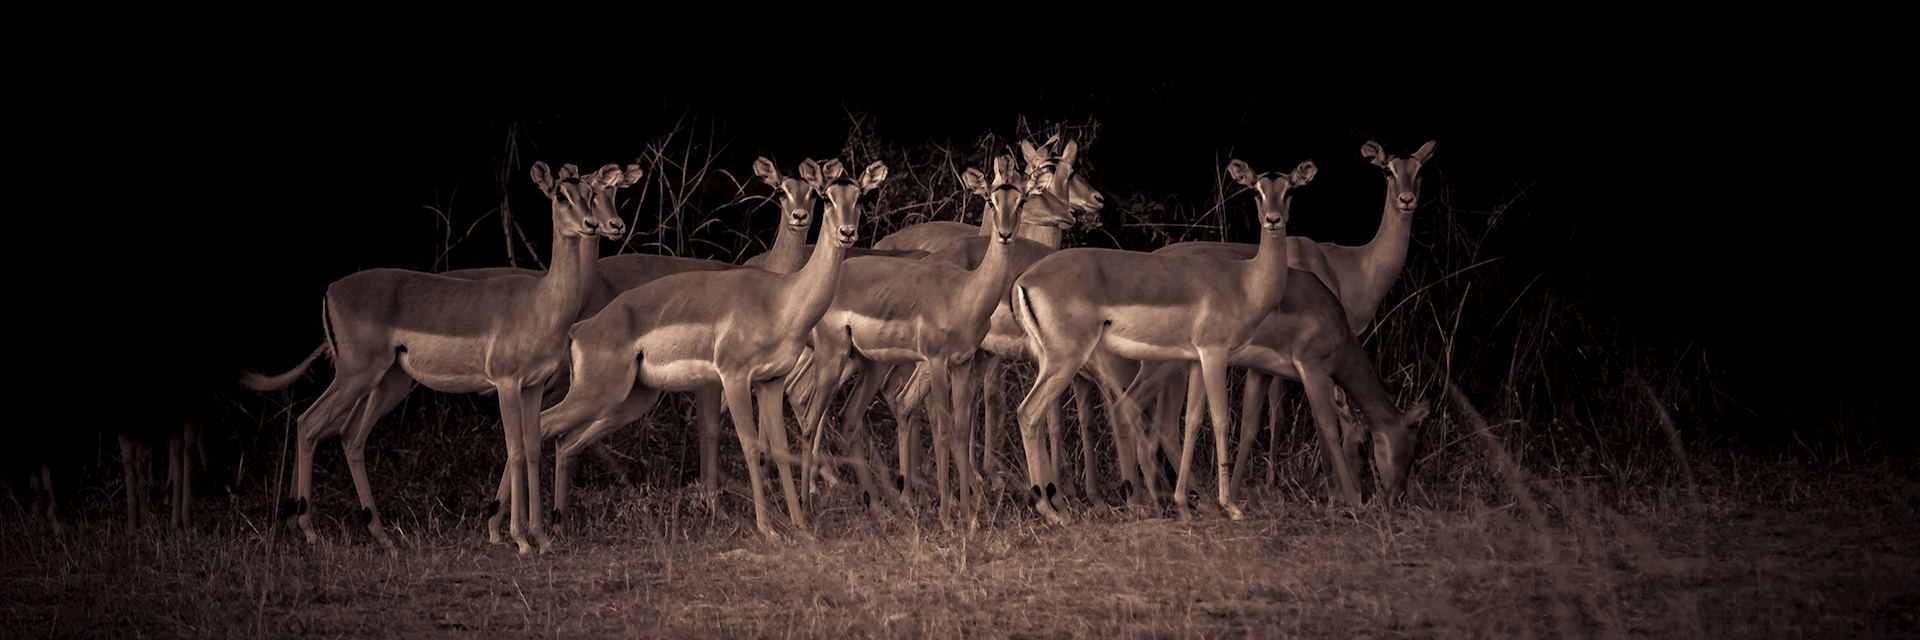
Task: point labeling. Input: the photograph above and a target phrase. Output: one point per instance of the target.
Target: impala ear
(544, 177)
(1004, 171)
(1240, 172)
(1033, 155)
(874, 174)
(1069, 153)
(831, 171)
(810, 172)
(569, 171)
(1373, 153)
(1303, 174)
(630, 177)
(608, 176)
(764, 168)
(974, 181)
(1425, 151)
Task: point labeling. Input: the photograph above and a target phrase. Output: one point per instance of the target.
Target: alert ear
(543, 177)
(1425, 151)
(764, 168)
(871, 178)
(1303, 174)
(974, 181)
(1033, 155)
(1373, 153)
(831, 171)
(1240, 172)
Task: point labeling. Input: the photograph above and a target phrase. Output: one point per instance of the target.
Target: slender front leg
(1342, 479)
(773, 425)
(1252, 392)
(738, 391)
(511, 422)
(963, 434)
(1276, 419)
(1196, 403)
(994, 401)
(707, 403)
(1213, 369)
(530, 444)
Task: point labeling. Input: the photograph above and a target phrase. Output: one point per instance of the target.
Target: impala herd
(929, 315)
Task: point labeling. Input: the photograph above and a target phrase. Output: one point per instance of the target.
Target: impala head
(843, 199)
(1007, 196)
(1057, 174)
(583, 206)
(1403, 173)
(1393, 444)
(1275, 190)
(794, 195)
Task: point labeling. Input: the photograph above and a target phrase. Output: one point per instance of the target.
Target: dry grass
(1801, 551)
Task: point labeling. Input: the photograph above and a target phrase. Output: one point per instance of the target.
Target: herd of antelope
(929, 315)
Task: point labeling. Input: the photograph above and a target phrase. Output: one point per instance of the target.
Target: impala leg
(1252, 393)
(511, 422)
(963, 434)
(706, 403)
(1196, 403)
(1276, 421)
(738, 391)
(393, 384)
(1213, 370)
(994, 409)
(1342, 479)
(773, 425)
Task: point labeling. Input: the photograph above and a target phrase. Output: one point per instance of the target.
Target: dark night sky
(1692, 199)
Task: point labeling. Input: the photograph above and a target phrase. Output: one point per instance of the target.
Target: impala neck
(1381, 260)
(807, 292)
(574, 266)
(1266, 274)
(1042, 233)
(987, 283)
(789, 250)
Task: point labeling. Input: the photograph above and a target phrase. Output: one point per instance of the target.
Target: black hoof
(365, 516)
(1034, 499)
(899, 483)
(492, 508)
(1126, 489)
(293, 508)
(1052, 491)
(556, 516)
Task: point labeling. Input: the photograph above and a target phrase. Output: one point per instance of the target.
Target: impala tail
(262, 382)
(259, 382)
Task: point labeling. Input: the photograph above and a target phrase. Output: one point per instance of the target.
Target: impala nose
(591, 224)
(613, 229)
(1097, 200)
(1406, 201)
